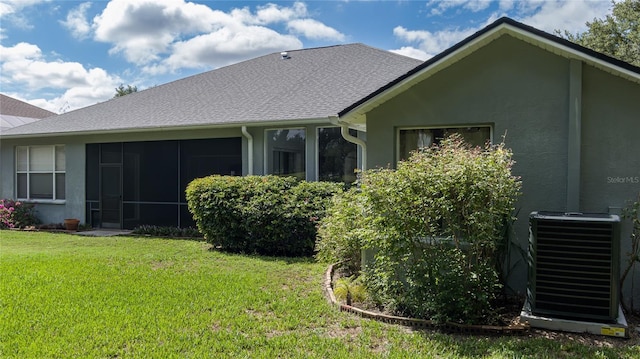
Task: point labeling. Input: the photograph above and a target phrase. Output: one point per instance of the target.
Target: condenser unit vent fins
(574, 265)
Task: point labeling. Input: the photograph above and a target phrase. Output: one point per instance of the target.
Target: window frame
(442, 127)
(268, 153)
(54, 172)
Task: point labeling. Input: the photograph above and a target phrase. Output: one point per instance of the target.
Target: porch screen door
(111, 196)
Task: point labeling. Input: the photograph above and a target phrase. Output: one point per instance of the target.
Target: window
(285, 154)
(414, 138)
(40, 172)
(337, 158)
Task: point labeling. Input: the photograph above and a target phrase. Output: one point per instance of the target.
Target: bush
(167, 231)
(16, 214)
(268, 215)
(434, 228)
(341, 232)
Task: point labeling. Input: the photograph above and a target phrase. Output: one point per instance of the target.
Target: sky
(63, 55)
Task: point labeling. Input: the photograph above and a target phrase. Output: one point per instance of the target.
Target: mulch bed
(510, 315)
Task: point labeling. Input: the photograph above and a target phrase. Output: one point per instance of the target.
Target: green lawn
(64, 296)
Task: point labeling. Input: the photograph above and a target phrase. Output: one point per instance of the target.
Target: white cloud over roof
(314, 29)
(150, 42)
(545, 15)
(24, 63)
(165, 35)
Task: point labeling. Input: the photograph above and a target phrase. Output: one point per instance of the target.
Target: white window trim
(398, 129)
(266, 148)
(28, 172)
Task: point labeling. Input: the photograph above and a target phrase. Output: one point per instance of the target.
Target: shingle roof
(14, 107)
(14, 112)
(312, 84)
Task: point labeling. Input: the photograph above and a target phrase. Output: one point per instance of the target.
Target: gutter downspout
(366, 255)
(344, 131)
(246, 134)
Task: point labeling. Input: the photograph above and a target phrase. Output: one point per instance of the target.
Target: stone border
(512, 329)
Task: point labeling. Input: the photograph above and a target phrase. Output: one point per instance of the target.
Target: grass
(119, 297)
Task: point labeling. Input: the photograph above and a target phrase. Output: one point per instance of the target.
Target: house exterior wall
(610, 166)
(75, 150)
(48, 211)
(525, 92)
(74, 204)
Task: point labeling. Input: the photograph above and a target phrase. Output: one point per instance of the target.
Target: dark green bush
(433, 228)
(267, 215)
(167, 231)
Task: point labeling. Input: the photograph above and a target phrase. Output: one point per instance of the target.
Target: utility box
(574, 266)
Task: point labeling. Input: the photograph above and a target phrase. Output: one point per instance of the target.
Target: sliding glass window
(337, 158)
(285, 153)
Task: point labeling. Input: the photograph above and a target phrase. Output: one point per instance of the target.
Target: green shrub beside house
(435, 226)
(268, 215)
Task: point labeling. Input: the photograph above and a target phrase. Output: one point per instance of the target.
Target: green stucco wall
(525, 92)
(74, 204)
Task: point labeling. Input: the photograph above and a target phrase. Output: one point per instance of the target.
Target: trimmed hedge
(268, 215)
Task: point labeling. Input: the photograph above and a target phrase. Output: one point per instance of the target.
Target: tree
(617, 35)
(122, 91)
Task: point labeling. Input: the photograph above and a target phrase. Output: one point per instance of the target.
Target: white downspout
(344, 131)
(246, 134)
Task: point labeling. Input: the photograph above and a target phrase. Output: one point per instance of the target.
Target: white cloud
(561, 14)
(505, 5)
(313, 29)
(438, 7)
(145, 29)
(546, 15)
(166, 35)
(272, 13)
(13, 8)
(77, 22)
(224, 47)
(431, 43)
(24, 66)
(412, 52)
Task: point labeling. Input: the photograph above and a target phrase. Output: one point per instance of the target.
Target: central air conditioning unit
(574, 262)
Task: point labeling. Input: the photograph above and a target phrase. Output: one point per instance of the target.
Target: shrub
(341, 232)
(434, 228)
(350, 290)
(167, 231)
(16, 214)
(632, 213)
(268, 215)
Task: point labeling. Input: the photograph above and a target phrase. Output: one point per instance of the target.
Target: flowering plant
(16, 214)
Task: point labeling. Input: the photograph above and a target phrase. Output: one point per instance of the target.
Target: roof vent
(285, 55)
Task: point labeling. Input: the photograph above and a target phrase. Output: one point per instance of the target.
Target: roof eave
(274, 123)
(355, 115)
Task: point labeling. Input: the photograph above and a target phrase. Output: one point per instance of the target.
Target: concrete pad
(618, 329)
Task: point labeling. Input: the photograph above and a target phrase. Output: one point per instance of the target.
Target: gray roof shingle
(14, 112)
(312, 84)
(14, 107)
